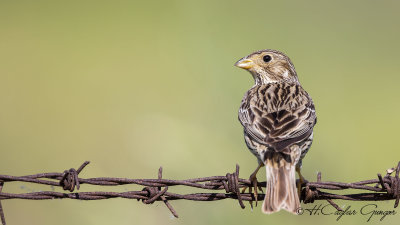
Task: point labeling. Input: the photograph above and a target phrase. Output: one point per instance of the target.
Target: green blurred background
(133, 85)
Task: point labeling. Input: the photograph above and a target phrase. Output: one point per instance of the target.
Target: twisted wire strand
(385, 188)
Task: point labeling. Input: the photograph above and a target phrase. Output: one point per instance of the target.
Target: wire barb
(312, 193)
(382, 188)
(2, 217)
(231, 185)
(70, 178)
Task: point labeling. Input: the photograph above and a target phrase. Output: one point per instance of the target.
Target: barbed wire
(383, 188)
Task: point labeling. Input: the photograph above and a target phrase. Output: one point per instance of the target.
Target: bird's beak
(245, 64)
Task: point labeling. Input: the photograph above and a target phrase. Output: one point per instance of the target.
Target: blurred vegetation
(132, 85)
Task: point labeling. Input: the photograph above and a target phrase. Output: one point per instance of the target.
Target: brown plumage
(278, 117)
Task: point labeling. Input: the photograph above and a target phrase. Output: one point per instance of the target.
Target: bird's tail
(281, 191)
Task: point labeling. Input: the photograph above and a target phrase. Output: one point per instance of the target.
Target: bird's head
(269, 66)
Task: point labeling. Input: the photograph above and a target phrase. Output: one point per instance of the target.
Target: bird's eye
(267, 58)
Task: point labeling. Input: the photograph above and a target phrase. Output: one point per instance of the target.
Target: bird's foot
(253, 184)
(300, 182)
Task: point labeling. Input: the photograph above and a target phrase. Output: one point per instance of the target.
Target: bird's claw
(253, 184)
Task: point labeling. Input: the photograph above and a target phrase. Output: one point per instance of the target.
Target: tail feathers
(281, 191)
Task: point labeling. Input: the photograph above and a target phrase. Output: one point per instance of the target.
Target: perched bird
(278, 117)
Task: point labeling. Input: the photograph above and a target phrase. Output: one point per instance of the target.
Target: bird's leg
(301, 180)
(254, 182)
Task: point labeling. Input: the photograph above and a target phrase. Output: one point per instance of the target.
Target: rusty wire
(383, 188)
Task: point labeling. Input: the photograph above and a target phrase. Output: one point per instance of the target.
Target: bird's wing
(281, 128)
